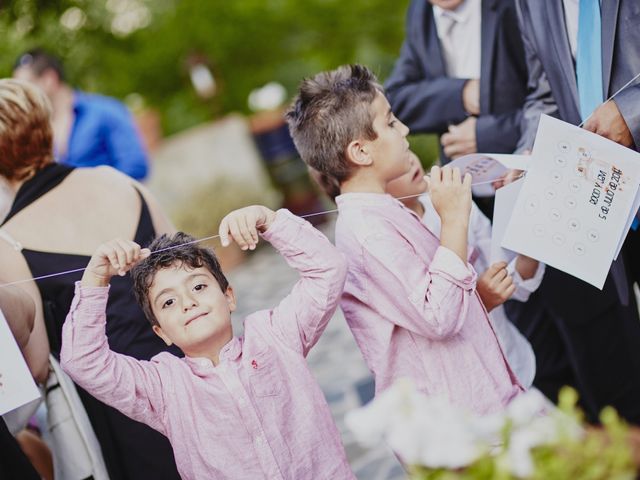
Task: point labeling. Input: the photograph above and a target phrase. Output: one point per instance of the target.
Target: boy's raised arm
(302, 316)
(132, 386)
(433, 299)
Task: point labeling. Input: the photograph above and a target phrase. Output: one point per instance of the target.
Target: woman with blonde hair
(58, 217)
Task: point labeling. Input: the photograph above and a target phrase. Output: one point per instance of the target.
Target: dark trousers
(595, 351)
(14, 464)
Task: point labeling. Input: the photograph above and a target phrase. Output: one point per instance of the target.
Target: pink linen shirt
(413, 309)
(258, 414)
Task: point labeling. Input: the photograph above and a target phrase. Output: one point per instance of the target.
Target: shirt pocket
(265, 377)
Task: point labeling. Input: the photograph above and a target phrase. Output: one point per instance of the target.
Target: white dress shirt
(515, 346)
(571, 11)
(459, 34)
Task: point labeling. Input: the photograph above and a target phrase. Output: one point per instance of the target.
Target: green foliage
(119, 47)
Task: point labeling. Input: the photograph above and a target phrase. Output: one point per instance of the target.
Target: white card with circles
(16, 383)
(576, 201)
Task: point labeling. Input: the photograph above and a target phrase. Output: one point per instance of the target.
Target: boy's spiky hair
(188, 254)
(330, 111)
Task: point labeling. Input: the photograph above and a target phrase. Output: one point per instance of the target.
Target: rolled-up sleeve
(429, 298)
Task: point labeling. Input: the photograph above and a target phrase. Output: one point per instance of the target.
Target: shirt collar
(78, 100)
(231, 351)
(461, 14)
(366, 199)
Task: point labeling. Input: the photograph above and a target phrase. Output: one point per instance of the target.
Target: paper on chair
(576, 200)
(506, 198)
(16, 383)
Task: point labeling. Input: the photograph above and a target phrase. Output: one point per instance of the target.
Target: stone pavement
(260, 283)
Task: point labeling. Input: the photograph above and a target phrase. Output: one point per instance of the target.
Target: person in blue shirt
(89, 129)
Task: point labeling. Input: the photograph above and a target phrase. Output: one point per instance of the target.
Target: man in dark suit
(579, 52)
(475, 113)
(462, 75)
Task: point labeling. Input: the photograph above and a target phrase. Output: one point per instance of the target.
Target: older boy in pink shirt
(233, 408)
(410, 298)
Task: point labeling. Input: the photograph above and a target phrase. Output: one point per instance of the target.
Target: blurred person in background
(47, 230)
(462, 75)
(88, 129)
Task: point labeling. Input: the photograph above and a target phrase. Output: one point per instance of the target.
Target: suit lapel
(488, 24)
(425, 28)
(558, 33)
(609, 24)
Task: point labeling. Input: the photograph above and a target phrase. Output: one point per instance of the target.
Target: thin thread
(67, 272)
(611, 97)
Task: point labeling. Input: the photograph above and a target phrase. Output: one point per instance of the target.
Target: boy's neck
(361, 183)
(211, 350)
(415, 205)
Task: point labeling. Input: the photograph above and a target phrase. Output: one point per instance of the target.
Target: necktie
(448, 23)
(589, 57)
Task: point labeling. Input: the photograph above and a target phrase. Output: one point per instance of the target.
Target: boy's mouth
(195, 317)
(416, 175)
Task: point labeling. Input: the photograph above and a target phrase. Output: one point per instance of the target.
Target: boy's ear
(358, 153)
(231, 299)
(157, 329)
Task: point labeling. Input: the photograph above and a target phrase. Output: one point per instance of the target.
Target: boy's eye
(200, 286)
(167, 303)
(392, 123)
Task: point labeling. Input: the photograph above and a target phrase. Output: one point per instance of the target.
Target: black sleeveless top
(128, 331)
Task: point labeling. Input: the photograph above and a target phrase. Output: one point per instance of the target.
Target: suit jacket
(552, 78)
(553, 90)
(426, 100)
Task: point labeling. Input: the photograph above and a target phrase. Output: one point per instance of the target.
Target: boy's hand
(495, 286)
(451, 196)
(526, 266)
(244, 224)
(116, 257)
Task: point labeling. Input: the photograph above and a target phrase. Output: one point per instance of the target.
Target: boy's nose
(405, 129)
(188, 304)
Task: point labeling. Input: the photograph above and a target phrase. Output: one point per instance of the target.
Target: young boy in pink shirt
(232, 407)
(410, 297)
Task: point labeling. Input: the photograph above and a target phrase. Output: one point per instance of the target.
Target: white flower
(526, 407)
(421, 430)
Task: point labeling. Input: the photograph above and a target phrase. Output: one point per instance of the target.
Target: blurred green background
(141, 50)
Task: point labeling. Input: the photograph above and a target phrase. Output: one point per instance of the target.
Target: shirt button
(258, 440)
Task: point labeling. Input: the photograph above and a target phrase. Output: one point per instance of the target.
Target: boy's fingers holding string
(248, 226)
(234, 229)
(455, 176)
(253, 232)
(129, 249)
(435, 176)
(120, 248)
(223, 231)
(466, 182)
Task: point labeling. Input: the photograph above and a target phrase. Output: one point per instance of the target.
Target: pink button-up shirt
(259, 414)
(413, 309)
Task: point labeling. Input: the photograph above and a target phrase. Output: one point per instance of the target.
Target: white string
(198, 240)
(611, 97)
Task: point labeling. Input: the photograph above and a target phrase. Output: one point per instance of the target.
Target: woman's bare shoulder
(102, 173)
